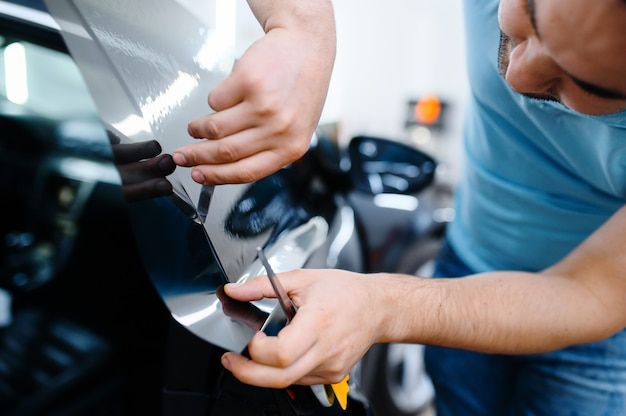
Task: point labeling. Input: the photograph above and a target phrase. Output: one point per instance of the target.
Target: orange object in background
(428, 110)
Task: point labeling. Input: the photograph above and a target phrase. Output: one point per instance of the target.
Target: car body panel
(149, 68)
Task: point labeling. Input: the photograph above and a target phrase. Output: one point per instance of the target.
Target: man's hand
(267, 110)
(320, 345)
(341, 314)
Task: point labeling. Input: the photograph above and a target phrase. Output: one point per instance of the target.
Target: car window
(46, 82)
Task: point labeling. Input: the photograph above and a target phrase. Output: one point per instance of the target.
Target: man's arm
(580, 299)
(267, 110)
(341, 314)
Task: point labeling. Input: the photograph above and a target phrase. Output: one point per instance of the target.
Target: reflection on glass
(15, 73)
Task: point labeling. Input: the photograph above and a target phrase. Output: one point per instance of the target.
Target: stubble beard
(504, 52)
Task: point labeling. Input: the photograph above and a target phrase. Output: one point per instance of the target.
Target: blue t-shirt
(538, 178)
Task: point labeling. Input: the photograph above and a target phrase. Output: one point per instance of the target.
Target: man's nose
(531, 70)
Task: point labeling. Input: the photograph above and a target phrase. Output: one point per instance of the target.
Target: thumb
(253, 289)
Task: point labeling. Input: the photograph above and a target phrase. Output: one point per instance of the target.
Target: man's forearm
(503, 312)
(580, 299)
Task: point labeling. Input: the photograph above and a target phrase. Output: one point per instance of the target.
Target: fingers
(228, 150)
(280, 371)
(244, 164)
(254, 289)
(226, 122)
(284, 350)
(133, 152)
(246, 150)
(152, 188)
(230, 92)
(239, 105)
(157, 167)
(250, 372)
(294, 362)
(244, 171)
(143, 178)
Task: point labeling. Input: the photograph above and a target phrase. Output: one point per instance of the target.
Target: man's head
(572, 51)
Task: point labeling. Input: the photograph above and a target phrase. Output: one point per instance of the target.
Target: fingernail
(234, 285)
(179, 158)
(259, 334)
(197, 176)
(226, 362)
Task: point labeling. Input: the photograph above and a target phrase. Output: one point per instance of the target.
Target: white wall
(389, 52)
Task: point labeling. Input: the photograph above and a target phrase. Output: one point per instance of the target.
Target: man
(543, 193)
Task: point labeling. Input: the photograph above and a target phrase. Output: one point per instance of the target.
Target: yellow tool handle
(341, 390)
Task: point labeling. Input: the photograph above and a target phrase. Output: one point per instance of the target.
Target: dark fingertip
(154, 147)
(164, 187)
(166, 164)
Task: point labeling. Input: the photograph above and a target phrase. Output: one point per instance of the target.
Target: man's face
(572, 51)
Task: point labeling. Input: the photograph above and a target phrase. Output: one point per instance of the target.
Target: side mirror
(384, 166)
